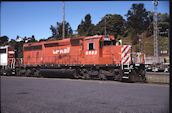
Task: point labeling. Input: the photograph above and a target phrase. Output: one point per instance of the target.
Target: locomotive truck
(93, 57)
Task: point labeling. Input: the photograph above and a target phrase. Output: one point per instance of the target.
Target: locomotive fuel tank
(62, 73)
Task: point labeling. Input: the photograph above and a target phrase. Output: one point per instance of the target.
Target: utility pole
(141, 43)
(105, 25)
(156, 54)
(63, 20)
(0, 18)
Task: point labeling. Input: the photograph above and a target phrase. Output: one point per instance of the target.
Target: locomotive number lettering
(91, 52)
(67, 50)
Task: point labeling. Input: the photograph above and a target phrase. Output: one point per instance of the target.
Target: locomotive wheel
(75, 74)
(117, 74)
(17, 72)
(86, 76)
(132, 76)
(142, 73)
(20, 72)
(102, 77)
(28, 73)
(36, 73)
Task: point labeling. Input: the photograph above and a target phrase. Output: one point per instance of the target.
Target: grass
(148, 44)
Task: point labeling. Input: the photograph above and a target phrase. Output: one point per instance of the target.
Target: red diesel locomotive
(96, 56)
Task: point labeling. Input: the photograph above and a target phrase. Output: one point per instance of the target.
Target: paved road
(50, 95)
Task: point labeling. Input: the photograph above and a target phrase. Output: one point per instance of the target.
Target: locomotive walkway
(52, 95)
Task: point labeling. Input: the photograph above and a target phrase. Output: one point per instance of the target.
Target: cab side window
(2, 50)
(91, 46)
(100, 44)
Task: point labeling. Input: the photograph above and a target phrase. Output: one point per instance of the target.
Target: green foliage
(53, 30)
(138, 18)
(115, 25)
(3, 40)
(163, 24)
(57, 31)
(86, 28)
(18, 46)
(163, 17)
(19, 49)
(32, 39)
(149, 31)
(163, 28)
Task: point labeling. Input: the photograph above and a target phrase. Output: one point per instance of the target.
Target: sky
(35, 18)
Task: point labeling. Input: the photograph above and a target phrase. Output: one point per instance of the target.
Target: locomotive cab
(101, 50)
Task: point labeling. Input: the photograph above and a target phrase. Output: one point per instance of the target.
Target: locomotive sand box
(96, 56)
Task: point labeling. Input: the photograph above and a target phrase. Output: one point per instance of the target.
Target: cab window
(114, 42)
(107, 43)
(91, 46)
(2, 50)
(100, 44)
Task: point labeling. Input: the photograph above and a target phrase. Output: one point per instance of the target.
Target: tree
(81, 29)
(163, 17)
(12, 42)
(138, 18)
(18, 46)
(58, 30)
(86, 28)
(53, 30)
(3, 40)
(115, 25)
(32, 39)
(163, 24)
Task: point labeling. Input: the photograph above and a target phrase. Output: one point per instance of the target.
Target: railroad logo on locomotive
(61, 51)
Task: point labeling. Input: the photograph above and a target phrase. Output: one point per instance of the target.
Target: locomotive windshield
(107, 43)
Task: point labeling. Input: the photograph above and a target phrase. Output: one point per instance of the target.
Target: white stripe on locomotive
(123, 47)
(126, 58)
(125, 51)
